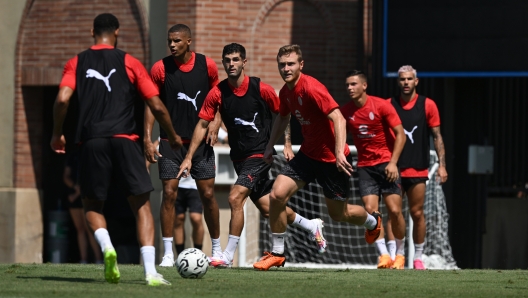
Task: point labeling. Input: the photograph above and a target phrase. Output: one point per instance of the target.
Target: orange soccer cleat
(399, 262)
(269, 260)
(384, 262)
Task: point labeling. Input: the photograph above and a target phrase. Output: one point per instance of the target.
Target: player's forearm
(340, 135)
(339, 130)
(287, 135)
(197, 138)
(438, 142)
(148, 124)
(399, 143)
(60, 108)
(278, 129)
(217, 122)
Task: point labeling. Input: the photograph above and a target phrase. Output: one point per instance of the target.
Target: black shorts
(77, 203)
(188, 199)
(203, 161)
(407, 182)
(112, 160)
(253, 173)
(373, 181)
(335, 184)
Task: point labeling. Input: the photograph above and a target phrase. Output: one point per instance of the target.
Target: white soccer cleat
(220, 262)
(217, 253)
(168, 261)
(317, 235)
(156, 280)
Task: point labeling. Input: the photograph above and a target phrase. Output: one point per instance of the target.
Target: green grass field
(74, 280)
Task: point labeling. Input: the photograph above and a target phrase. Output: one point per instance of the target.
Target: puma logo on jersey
(244, 122)
(184, 96)
(90, 73)
(351, 118)
(409, 134)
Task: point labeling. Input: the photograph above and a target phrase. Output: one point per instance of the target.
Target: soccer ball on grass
(192, 263)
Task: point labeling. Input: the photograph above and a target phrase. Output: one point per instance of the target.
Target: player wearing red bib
(419, 116)
(370, 121)
(323, 157)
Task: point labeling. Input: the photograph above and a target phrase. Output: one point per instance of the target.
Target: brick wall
(49, 35)
(326, 31)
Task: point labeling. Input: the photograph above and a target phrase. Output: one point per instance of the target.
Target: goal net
(346, 244)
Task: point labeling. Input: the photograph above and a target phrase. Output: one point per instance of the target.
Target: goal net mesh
(346, 243)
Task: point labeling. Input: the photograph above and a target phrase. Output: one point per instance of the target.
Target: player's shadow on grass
(77, 279)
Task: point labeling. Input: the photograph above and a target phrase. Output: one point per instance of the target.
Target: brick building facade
(40, 36)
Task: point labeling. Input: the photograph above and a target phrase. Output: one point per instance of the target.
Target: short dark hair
(291, 48)
(353, 73)
(234, 48)
(105, 23)
(180, 28)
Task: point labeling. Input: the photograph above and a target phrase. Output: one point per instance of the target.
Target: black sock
(179, 247)
(198, 246)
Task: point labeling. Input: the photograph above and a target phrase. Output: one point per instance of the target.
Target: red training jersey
(310, 102)
(370, 127)
(432, 117)
(157, 72)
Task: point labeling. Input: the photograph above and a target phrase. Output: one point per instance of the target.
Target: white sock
(148, 253)
(371, 222)
(103, 238)
(400, 246)
(216, 244)
(418, 250)
(167, 244)
(392, 249)
(382, 247)
(303, 223)
(231, 247)
(278, 243)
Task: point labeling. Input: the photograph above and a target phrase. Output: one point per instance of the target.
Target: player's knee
(169, 195)
(370, 208)
(417, 213)
(208, 195)
(277, 197)
(264, 213)
(236, 203)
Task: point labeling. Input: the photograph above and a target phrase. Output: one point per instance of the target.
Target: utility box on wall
(480, 159)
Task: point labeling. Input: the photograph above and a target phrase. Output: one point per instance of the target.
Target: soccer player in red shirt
(106, 80)
(323, 157)
(370, 121)
(246, 105)
(419, 116)
(184, 78)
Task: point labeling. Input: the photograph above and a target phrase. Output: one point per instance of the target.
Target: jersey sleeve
(389, 114)
(268, 94)
(212, 72)
(211, 103)
(140, 78)
(322, 97)
(69, 74)
(431, 113)
(157, 74)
